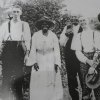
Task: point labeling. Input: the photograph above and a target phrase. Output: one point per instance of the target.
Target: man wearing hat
(15, 38)
(87, 45)
(45, 58)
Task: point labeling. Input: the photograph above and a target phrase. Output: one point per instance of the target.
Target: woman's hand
(56, 68)
(36, 67)
(91, 70)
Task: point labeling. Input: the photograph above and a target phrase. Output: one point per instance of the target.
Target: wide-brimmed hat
(93, 80)
(44, 20)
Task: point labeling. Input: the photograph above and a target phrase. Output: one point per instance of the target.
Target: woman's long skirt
(45, 83)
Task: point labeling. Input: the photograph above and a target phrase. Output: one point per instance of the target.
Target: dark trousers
(12, 63)
(26, 85)
(72, 66)
(86, 91)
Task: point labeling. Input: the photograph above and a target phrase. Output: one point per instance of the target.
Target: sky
(88, 8)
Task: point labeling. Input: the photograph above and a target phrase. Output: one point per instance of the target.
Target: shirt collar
(19, 20)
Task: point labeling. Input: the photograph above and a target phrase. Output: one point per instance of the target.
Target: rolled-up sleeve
(27, 36)
(77, 46)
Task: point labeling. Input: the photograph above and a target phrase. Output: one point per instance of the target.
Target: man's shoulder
(25, 23)
(5, 23)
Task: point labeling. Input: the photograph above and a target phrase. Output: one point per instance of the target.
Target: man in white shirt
(72, 64)
(15, 38)
(87, 43)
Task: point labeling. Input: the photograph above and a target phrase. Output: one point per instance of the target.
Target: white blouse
(44, 43)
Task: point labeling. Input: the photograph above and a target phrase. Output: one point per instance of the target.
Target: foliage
(35, 9)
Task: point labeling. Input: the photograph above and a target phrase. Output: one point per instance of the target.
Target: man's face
(76, 22)
(83, 23)
(16, 13)
(45, 28)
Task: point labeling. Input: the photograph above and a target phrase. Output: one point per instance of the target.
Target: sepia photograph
(49, 49)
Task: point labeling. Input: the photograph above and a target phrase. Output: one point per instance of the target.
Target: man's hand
(36, 67)
(26, 57)
(56, 68)
(91, 70)
(90, 62)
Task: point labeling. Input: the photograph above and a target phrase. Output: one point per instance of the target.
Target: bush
(33, 11)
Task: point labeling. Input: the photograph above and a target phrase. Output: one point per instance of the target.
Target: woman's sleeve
(57, 51)
(27, 35)
(32, 56)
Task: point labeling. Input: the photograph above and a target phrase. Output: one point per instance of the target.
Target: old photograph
(49, 49)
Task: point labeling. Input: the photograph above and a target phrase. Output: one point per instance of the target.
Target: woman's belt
(43, 52)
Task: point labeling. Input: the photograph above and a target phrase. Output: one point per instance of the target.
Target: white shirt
(16, 33)
(89, 40)
(75, 32)
(63, 38)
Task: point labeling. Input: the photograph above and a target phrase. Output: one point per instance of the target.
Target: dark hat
(93, 80)
(44, 20)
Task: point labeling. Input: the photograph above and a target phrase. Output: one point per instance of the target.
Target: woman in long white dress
(46, 81)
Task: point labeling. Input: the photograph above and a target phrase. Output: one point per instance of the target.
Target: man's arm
(81, 56)
(63, 38)
(32, 59)
(3, 28)
(27, 36)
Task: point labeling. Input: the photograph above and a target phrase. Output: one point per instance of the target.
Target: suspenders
(9, 30)
(81, 41)
(9, 26)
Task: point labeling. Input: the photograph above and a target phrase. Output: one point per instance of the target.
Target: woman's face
(45, 28)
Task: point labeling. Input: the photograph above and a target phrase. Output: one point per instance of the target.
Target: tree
(33, 10)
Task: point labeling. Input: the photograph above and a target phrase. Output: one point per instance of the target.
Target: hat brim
(92, 81)
(39, 23)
